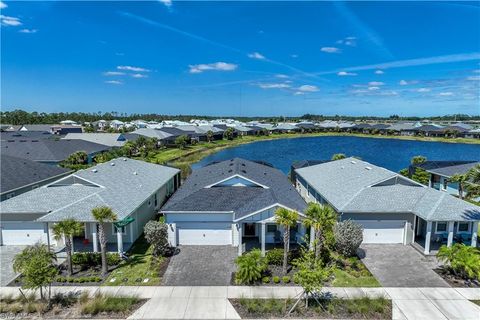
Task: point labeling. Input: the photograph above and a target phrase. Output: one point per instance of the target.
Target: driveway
(396, 265)
(201, 266)
(7, 253)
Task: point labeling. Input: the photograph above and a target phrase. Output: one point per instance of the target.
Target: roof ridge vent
(353, 162)
(368, 168)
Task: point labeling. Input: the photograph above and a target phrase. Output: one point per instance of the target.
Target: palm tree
(103, 215)
(461, 179)
(338, 156)
(287, 219)
(209, 135)
(67, 229)
(473, 183)
(322, 219)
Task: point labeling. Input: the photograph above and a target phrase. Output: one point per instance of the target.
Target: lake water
(393, 154)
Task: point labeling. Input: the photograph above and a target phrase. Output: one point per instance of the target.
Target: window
(441, 227)
(463, 227)
(271, 227)
(114, 230)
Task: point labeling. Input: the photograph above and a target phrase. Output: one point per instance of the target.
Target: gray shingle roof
(448, 168)
(108, 139)
(48, 150)
(123, 187)
(194, 196)
(17, 172)
(153, 133)
(352, 185)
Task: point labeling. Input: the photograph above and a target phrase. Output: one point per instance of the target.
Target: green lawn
(345, 279)
(141, 265)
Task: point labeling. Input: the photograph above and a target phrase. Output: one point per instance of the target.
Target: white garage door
(204, 234)
(382, 231)
(22, 233)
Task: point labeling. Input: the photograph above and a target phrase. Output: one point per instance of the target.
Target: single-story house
(232, 202)
(50, 151)
(163, 137)
(442, 171)
(133, 189)
(390, 207)
(21, 175)
(107, 139)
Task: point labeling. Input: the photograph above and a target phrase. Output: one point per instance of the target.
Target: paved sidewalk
(212, 302)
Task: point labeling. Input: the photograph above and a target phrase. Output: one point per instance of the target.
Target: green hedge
(93, 259)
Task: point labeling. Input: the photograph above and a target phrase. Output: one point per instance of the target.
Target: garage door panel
(204, 234)
(22, 233)
(383, 231)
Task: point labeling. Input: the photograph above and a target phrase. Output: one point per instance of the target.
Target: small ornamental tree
(228, 134)
(37, 265)
(76, 158)
(103, 215)
(250, 267)
(209, 135)
(156, 234)
(311, 275)
(181, 141)
(338, 156)
(463, 261)
(67, 229)
(348, 237)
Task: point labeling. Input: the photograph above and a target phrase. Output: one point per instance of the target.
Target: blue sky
(242, 58)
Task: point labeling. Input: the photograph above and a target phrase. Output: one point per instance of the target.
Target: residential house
(21, 175)
(442, 171)
(390, 207)
(36, 127)
(100, 124)
(472, 134)
(284, 127)
(232, 202)
(65, 129)
(164, 138)
(50, 151)
(107, 139)
(117, 124)
(133, 189)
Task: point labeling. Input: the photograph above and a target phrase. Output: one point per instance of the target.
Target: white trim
(237, 176)
(266, 208)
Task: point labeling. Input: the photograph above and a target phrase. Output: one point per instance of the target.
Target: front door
(249, 230)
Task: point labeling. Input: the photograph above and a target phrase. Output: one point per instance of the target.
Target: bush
(94, 259)
(250, 267)
(348, 237)
(276, 279)
(156, 233)
(286, 279)
(274, 257)
(105, 303)
(266, 279)
(113, 259)
(464, 261)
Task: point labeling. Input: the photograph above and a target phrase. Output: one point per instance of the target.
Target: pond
(393, 154)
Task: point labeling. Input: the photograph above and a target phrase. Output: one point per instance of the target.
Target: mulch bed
(455, 281)
(341, 311)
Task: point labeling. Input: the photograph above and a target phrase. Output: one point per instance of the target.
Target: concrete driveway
(7, 253)
(201, 266)
(396, 265)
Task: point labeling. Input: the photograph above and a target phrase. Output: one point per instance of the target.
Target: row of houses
(233, 202)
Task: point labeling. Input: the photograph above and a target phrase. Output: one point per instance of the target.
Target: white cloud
(273, 85)
(28, 31)
(423, 90)
(256, 55)
(379, 72)
(299, 93)
(114, 82)
(330, 50)
(3, 5)
(167, 3)
(282, 76)
(294, 56)
(445, 94)
(217, 66)
(344, 73)
(10, 21)
(473, 78)
(113, 73)
(376, 83)
(403, 83)
(348, 41)
(373, 88)
(388, 93)
(139, 75)
(308, 88)
(134, 69)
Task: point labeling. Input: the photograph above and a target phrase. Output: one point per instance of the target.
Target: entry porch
(429, 236)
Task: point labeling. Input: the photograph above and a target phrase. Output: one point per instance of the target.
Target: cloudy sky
(242, 58)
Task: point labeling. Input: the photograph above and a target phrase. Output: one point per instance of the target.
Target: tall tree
(322, 219)
(67, 229)
(287, 219)
(103, 215)
(473, 183)
(461, 179)
(209, 135)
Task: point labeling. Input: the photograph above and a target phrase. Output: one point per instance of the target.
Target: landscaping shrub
(266, 279)
(250, 267)
(93, 259)
(464, 261)
(276, 279)
(348, 237)
(286, 279)
(156, 233)
(274, 257)
(105, 303)
(113, 259)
